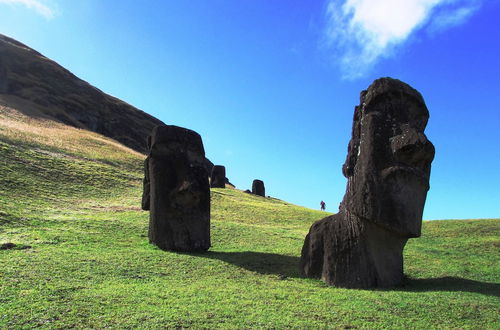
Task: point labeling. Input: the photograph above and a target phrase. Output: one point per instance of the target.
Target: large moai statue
(388, 168)
(258, 188)
(179, 189)
(218, 177)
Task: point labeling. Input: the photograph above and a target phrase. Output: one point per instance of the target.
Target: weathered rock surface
(146, 196)
(258, 188)
(388, 168)
(9, 246)
(179, 190)
(218, 177)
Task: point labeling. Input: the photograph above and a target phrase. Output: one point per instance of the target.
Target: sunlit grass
(82, 257)
(55, 137)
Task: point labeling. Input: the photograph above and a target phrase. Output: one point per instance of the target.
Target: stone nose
(412, 148)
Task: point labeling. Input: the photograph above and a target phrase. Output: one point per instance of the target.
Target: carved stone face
(182, 172)
(388, 164)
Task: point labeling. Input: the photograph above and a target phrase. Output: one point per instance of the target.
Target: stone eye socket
(412, 148)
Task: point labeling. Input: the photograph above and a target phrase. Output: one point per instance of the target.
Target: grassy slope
(73, 197)
(41, 88)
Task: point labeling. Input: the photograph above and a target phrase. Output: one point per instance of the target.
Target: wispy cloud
(453, 17)
(36, 5)
(360, 32)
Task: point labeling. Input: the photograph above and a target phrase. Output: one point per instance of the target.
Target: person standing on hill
(323, 205)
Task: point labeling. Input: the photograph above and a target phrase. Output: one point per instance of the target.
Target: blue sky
(271, 85)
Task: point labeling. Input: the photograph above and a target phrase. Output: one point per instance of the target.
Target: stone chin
(405, 193)
(395, 202)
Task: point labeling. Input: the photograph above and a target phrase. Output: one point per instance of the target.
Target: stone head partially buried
(387, 168)
(389, 158)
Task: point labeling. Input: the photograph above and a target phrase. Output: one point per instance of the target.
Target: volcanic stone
(218, 178)
(146, 196)
(388, 168)
(7, 246)
(179, 189)
(258, 188)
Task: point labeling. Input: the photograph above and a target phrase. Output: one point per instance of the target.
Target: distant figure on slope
(323, 205)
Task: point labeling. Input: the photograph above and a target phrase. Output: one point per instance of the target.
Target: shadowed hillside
(74, 253)
(39, 87)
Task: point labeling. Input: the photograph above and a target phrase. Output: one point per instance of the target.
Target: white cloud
(360, 32)
(36, 5)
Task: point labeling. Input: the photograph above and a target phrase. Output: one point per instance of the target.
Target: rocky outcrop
(388, 168)
(40, 87)
(3, 78)
(179, 190)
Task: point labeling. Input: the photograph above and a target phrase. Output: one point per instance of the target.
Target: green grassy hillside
(70, 204)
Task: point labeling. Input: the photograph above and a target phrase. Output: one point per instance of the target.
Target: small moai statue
(146, 197)
(258, 188)
(218, 177)
(388, 168)
(179, 190)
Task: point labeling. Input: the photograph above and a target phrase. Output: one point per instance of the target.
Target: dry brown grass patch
(61, 138)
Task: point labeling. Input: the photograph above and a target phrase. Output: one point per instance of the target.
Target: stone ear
(350, 162)
(353, 147)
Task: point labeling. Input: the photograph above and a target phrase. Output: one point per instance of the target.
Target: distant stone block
(258, 188)
(218, 177)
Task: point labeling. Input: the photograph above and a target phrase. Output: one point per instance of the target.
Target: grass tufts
(77, 253)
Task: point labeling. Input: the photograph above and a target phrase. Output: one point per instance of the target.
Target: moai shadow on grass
(388, 168)
(179, 218)
(218, 177)
(258, 188)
